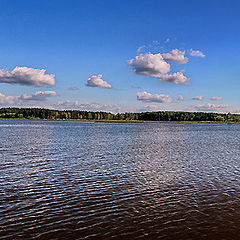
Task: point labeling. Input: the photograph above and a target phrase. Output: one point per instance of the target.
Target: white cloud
(88, 106)
(198, 98)
(7, 99)
(180, 98)
(38, 96)
(216, 98)
(175, 56)
(150, 65)
(154, 65)
(148, 97)
(196, 53)
(176, 78)
(27, 76)
(97, 81)
(211, 107)
(18, 100)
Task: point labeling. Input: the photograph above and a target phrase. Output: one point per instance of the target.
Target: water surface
(86, 180)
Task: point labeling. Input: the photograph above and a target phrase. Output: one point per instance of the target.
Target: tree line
(49, 114)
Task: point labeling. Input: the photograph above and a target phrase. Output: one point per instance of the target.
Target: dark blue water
(85, 180)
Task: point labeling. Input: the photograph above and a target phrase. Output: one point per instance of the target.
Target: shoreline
(121, 121)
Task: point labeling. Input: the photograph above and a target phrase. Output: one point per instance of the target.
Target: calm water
(84, 180)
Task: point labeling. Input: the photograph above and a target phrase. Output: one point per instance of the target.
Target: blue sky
(79, 40)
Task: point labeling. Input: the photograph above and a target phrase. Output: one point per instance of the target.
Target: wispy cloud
(148, 108)
(88, 106)
(140, 49)
(135, 87)
(211, 107)
(197, 53)
(97, 81)
(7, 99)
(73, 89)
(198, 98)
(216, 98)
(148, 97)
(18, 100)
(27, 76)
(38, 96)
(153, 46)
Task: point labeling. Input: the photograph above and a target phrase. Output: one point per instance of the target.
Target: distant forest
(39, 113)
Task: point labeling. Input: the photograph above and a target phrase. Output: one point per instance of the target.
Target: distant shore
(127, 117)
(121, 121)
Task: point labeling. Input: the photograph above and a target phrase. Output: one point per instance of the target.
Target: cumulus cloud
(176, 78)
(154, 65)
(150, 65)
(27, 76)
(148, 97)
(38, 96)
(180, 98)
(97, 81)
(211, 107)
(175, 56)
(198, 98)
(216, 98)
(88, 106)
(196, 53)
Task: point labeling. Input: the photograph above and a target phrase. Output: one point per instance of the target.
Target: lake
(86, 180)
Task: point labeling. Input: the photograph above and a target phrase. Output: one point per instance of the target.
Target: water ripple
(74, 180)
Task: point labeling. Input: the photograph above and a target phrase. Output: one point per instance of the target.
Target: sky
(120, 56)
